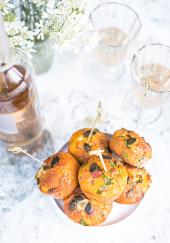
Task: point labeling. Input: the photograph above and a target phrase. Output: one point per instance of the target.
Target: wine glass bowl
(151, 64)
(117, 25)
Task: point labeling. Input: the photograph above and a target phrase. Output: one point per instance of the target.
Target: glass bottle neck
(5, 66)
(11, 79)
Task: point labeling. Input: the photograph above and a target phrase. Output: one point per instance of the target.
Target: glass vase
(43, 57)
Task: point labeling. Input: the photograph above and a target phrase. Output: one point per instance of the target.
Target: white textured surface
(69, 93)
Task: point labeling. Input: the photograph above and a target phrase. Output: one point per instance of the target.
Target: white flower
(5, 6)
(19, 36)
(40, 2)
(65, 21)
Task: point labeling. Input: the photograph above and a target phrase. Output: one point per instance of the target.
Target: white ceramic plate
(118, 213)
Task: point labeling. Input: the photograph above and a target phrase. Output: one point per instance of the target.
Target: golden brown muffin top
(58, 175)
(138, 182)
(79, 145)
(131, 147)
(99, 184)
(84, 211)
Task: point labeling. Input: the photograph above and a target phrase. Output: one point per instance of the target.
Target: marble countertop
(69, 94)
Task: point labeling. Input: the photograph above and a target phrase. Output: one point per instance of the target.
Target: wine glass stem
(147, 87)
(141, 105)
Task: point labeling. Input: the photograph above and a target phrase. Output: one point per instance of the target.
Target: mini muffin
(100, 185)
(84, 211)
(130, 147)
(58, 176)
(79, 146)
(138, 183)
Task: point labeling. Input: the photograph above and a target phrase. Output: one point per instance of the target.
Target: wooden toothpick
(98, 116)
(99, 152)
(17, 150)
(136, 171)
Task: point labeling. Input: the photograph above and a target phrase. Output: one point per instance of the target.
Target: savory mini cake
(84, 211)
(138, 183)
(98, 184)
(58, 176)
(79, 146)
(130, 147)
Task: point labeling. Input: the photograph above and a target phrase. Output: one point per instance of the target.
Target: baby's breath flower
(64, 21)
(10, 17)
(19, 36)
(5, 6)
(40, 2)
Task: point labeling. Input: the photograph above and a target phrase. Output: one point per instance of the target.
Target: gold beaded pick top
(98, 116)
(17, 150)
(99, 153)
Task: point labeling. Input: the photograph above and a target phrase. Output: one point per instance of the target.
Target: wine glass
(150, 68)
(116, 25)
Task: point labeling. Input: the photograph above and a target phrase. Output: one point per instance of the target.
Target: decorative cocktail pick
(98, 152)
(17, 150)
(147, 88)
(135, 174)
(99, 111)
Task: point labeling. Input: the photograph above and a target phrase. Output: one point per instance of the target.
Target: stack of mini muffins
(87, 189)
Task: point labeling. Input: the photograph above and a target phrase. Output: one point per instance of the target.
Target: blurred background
(70, 83)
